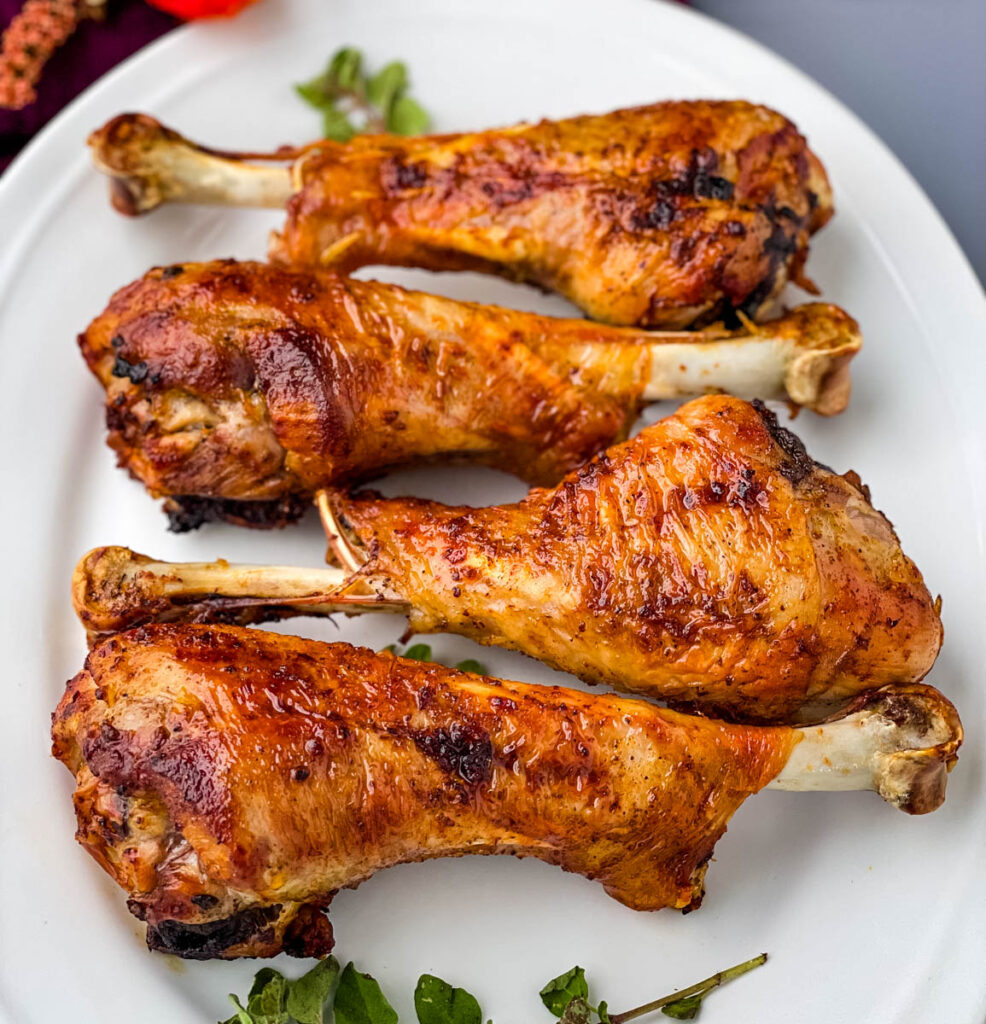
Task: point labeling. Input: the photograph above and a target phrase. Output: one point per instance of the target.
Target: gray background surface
(913, 70)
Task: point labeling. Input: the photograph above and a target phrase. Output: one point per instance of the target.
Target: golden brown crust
(223, 772)
(664, 215)
(249, 383)
(709, 562)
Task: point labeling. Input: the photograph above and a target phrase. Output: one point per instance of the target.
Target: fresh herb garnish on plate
(353, 102)
(567, 997)
(422, 652)
(360, 1000)
(438, 1002)
(356, 999)
(274, 999)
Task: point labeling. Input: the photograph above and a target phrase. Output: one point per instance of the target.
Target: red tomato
(192, 9)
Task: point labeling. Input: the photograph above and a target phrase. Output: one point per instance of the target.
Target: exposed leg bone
(114, 588)
(802, 357)
(324, 763)
(531, 395)
(339, 547)
(899, 740)
(150, 164)
(654, 238)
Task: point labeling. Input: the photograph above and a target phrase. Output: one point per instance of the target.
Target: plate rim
(19, 181)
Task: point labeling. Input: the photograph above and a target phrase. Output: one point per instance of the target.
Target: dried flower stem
(30, 40)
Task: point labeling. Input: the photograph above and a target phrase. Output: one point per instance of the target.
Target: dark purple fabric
(94, 48)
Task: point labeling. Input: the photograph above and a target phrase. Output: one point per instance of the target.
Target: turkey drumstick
(665, 215)
(708, 562)
(232, 780)
(239, 389)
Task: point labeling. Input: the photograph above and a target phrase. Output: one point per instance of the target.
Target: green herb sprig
(422, 652)
(274, 999)
(567, 997)
(316, 998)
(353, 102)
(350, 997)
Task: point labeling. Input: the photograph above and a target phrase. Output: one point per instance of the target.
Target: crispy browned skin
(245, 383)
(664, 215)
(709, 560)
(232, 780)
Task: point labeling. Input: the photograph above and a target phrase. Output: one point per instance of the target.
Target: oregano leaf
(307, 995)
(345, 67)
(407, 117)
(360, 1000)
(241, 1016)
(266, 999)
(438, 1002)
(560, 991)
(315, 92)
(387, 85)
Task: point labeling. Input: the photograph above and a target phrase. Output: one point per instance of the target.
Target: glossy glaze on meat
(707, 561)
(241, 382)
(663, 215)
(238, 389)
(231, 780)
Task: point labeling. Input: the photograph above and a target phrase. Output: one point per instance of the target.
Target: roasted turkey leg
(232, 780)
(665, 216)
(239, 389)
(708, 562)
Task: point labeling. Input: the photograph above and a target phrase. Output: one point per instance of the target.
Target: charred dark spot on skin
(187, 512)
(751, 304)
(517, 183)
(659, 217)
(107, 753)
(137, 372)
(741, 489)
(397, 175)
(798, 464)
(780, 245)
(211, 938)
(173, 271)
(117, 415)
(503, 193)
(310, 933)
(697, 181)
(179, 356)
(462, 749)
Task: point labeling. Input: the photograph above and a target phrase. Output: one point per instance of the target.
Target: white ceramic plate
(868, 915)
